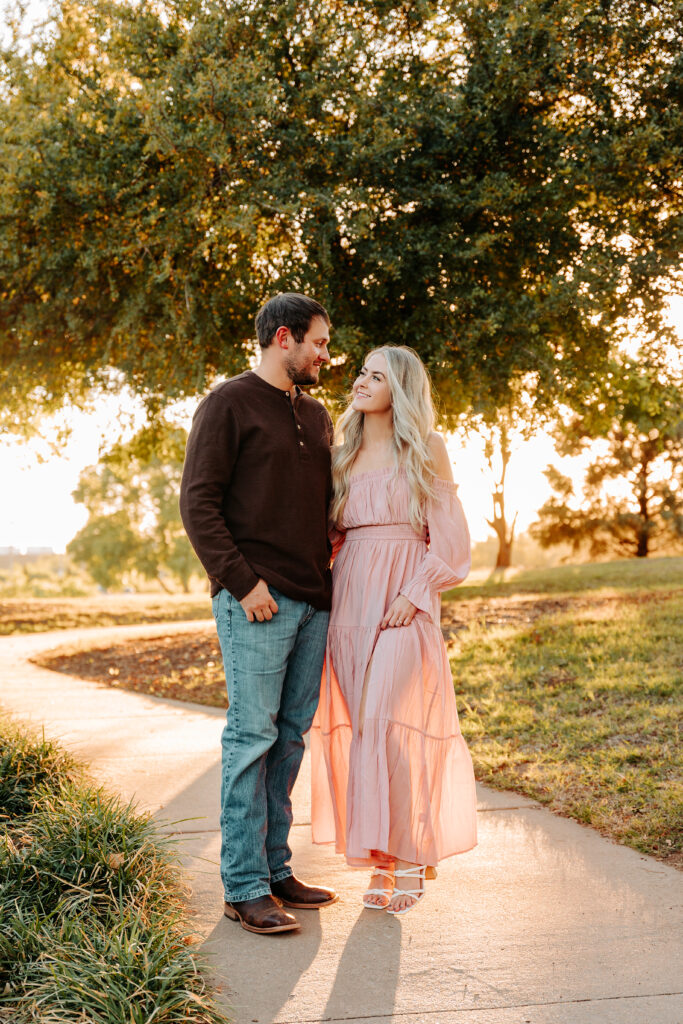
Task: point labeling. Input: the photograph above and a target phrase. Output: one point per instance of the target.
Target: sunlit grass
(628, 574)
(581, 710)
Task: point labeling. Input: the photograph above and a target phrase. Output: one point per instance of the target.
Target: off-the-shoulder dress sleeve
(447, 561)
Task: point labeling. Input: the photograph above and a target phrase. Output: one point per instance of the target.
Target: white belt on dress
(395, 531)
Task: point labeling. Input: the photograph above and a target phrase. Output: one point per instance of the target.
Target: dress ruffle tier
(393, 776)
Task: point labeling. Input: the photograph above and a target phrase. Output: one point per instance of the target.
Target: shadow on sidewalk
(368, 968)
(261, 970)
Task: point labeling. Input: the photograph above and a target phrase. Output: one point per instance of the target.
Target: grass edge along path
(91, 901)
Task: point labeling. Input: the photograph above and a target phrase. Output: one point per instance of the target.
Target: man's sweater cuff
(238, 584)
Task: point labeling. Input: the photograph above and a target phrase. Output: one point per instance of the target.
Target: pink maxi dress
(403, 784)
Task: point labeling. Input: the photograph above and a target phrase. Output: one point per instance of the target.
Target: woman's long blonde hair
(413, 422)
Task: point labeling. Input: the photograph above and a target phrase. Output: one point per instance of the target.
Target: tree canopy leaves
(640, 419)
(134, 522)
(496, 184)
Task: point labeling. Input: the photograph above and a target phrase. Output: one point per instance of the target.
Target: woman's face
(371, 391)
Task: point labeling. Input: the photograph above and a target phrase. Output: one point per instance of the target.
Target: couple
(392, 778)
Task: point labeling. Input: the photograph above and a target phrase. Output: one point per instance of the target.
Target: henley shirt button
(301, 444)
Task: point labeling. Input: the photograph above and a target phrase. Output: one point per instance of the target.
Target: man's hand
(401, 613)
(258, 604)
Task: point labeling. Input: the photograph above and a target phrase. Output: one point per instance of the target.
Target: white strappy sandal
(386, 892)
(419, 871)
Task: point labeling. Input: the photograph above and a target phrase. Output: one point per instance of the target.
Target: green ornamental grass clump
(90, 902)
(27, 765)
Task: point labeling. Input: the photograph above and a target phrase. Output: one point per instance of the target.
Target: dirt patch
(184, 666)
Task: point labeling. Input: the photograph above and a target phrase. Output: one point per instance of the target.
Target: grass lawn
(569, 684)
(581, 710)
(39, 615)
(629, 574)
(91, 904)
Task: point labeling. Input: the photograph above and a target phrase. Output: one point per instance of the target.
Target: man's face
(303, 361)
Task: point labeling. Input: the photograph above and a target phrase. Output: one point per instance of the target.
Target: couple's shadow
(367, 974)
(285, 979)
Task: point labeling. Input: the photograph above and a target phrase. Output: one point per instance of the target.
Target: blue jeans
(272, 671)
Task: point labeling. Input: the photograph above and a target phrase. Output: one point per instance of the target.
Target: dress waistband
(395, 531)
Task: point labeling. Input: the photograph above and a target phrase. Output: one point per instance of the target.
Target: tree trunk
(499, 524)
(163, 585)
(504, 556)
(643, 528)
(642, 548)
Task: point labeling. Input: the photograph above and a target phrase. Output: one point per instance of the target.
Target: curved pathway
(545, 922)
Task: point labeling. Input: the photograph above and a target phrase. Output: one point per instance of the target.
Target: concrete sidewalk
(544, 923)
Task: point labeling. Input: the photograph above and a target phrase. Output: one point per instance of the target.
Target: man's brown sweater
(256, 489)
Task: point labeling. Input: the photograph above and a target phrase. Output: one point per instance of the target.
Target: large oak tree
(495, 183)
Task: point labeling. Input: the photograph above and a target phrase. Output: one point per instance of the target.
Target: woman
(393, 780)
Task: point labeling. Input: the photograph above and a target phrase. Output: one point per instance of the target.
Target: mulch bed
(184, 666)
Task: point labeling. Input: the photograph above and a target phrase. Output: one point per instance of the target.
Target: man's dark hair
(288, 309)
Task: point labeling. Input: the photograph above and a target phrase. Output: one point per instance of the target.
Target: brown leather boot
(262, 915)
(300, 896)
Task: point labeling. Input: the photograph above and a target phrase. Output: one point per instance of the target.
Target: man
(254, 496)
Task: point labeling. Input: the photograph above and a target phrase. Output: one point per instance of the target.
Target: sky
(38, 510)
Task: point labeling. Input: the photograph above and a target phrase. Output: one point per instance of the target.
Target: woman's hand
(337, 538)
(401, 613)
